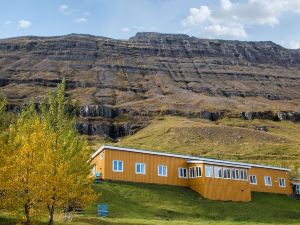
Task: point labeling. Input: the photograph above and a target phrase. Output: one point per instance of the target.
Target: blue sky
(253, 20)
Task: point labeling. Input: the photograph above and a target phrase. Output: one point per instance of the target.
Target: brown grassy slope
(232, 139)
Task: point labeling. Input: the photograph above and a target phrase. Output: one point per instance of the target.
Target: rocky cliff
(122, 84)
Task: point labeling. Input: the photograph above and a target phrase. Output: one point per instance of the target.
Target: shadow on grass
(95, 220)
(8, 221)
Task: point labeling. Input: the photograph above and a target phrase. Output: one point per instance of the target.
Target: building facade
(213, 179)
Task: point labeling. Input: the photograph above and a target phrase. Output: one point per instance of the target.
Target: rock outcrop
(269, 115)
(150, 74)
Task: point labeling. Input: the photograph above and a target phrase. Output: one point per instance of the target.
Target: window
(182, 173)
(140, 168)
(237, 174)
(192, 172)
(218, 172)
(226, 172)
(268, 181)
(162, 170)
(118, 166)
(253, 179)
(297, 189)
(198, 171)
(243, 175)
(281, 182)
(195, 171)
(208, 171)
(233, 174)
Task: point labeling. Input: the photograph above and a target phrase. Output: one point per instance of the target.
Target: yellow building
(213, 179)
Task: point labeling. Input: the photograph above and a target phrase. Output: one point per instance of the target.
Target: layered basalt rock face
(122, 84)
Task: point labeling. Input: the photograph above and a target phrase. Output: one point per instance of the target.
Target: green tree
(68, 183)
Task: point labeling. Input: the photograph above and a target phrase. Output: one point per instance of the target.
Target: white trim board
(190, 158)
(218, 164)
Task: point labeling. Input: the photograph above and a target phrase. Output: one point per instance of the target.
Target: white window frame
(265, 179)
(217, 173)
(192, 172)
(237, 174)
(297, 189)
(228, 174)
(211, 174)
(198, 171)
(142, 165)
(195, 172)
(251, 176)
(233, 174)
(180, 169)
(162, 174)
(242, 173)
(117, 169)
(284, 183)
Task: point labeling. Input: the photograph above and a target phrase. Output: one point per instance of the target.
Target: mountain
(121, 85)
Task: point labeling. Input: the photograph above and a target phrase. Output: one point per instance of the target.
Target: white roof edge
(98, 151)
(185, 157)
(220, 164)
(295, 183)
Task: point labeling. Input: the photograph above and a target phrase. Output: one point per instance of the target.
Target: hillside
(150, 74)
(147, 204)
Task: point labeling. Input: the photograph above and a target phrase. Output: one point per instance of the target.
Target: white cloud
(135, 27)
(226, 4)
(231, 18)
(291, 44)
(197, 16)
(24, 23)
(219, 30)
(294, 44)
(125, 29)
(64, 9)
(80, 20)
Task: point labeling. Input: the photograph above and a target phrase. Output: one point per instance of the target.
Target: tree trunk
(27, 213)
(51, 215)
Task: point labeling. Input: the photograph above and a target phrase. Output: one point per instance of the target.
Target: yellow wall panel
(151, 161)
(275, 175)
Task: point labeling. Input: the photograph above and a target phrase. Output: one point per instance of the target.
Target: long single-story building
(211, 178)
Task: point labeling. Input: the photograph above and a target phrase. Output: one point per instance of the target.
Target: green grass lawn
(132, 203)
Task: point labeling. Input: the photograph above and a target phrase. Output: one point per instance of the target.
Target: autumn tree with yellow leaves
(68, 184)
(45, 161)
(26, 163)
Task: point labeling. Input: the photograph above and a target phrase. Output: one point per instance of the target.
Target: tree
(2, 140)
(68, 183)
(45, 163)
(26, 162)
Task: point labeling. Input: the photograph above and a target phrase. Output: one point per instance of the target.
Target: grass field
(131, 203)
